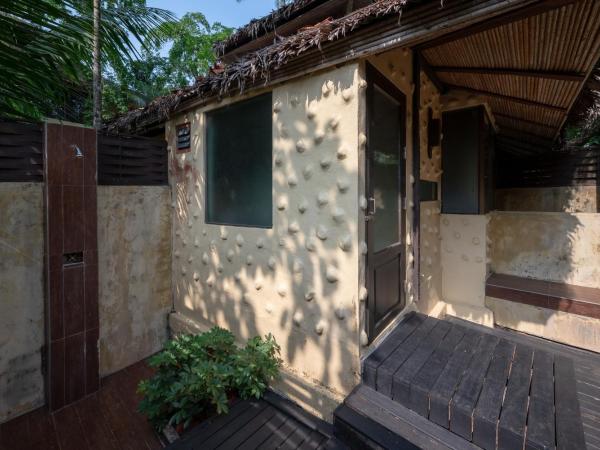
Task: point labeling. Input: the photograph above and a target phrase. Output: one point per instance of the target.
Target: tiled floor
(105, 420)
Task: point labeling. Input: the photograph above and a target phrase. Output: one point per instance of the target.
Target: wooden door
(386, 130)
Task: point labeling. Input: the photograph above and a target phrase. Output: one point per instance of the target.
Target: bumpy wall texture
(21, 298)
(464, 266)
(572, 199)
(298, 280)
(134, 235)
(558, 247)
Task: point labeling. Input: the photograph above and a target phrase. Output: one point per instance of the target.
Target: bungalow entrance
(366, 254)
(385, 215)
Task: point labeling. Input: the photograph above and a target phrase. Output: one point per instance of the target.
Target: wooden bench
(564, 297)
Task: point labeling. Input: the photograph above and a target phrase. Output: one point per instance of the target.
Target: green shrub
(197, 374)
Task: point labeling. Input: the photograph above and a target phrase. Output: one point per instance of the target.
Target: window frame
(206, 166)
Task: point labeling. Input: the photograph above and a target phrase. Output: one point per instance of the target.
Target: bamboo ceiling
(530, 70)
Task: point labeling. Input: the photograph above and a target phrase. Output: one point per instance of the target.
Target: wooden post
(416, 172)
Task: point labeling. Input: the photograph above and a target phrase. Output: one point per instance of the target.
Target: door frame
(376, 78)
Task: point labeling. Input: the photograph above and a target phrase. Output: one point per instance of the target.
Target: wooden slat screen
(576, 167)
(21, 152)
(132, 160)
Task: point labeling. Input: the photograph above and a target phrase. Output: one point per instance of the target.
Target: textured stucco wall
(559, 247)
(134, 266)
(21, 298)
(464, 266)
(571, 329)
(572, 199)
(300, 279)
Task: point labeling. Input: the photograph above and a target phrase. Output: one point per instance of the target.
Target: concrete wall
(298, 280)
(21, 298)
(548, 246)
(464, 266)
(572, 199)
(134, 265)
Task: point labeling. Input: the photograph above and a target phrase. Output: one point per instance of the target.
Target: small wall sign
(183, 137)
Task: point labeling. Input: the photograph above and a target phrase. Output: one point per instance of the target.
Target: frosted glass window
(239, 177)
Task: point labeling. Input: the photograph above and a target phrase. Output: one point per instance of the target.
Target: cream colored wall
(300, 279)
(134, 269)
(558, 247)
(431, 170)
(571, 329)
(21, 298)
(571, 199)
(464, 266)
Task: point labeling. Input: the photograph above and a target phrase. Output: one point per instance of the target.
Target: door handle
(371, 208)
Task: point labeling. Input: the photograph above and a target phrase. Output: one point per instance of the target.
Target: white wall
(300, 279)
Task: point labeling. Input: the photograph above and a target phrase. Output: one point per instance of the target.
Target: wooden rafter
(528, 122)
(532, 9)
(551, 75)
(520, 100)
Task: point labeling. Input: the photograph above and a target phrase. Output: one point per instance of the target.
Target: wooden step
(368, 419)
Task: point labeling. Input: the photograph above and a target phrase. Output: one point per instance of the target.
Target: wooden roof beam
(528, 122)
(532, 9)
(522, 101)
(550, 75)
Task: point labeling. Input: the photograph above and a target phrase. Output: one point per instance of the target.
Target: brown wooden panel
(21, 152)
(90, 218)
(132, 160)
(54, 208)
(57, 375)
(74, 367)
(91, 297)
(73, 288)
(72, 139)
(56, 313)
(73, 226)
(90, 159)
(92, 380)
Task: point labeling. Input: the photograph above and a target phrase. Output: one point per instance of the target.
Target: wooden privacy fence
(132, 160)
(21, 152)
(552, 169)
(122, 160)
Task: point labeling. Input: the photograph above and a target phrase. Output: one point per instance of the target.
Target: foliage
(197, 373)
(45, 49)
(191, 54)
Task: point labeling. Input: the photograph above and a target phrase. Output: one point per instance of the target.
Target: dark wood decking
(270, 423)
(106, 420)
(490, 388)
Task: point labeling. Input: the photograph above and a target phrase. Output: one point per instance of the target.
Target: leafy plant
(197, 374)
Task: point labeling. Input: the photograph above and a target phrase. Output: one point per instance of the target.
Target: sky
(229, 12)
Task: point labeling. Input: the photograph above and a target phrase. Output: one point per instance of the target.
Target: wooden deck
(451, 384)
(270, 423)
(107, 420)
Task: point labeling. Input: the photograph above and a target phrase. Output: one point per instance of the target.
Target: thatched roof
(255, 67)
(266, 24)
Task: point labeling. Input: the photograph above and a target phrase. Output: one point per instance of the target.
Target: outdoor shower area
(85, 239)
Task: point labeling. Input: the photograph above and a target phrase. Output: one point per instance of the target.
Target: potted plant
(198, 376)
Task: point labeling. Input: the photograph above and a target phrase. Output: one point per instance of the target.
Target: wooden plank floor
(492, 387)
(106, 420)
(269, 423)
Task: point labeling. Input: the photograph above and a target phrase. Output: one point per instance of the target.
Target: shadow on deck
(441, 384)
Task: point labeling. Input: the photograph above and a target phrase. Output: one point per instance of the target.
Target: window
(239, 175)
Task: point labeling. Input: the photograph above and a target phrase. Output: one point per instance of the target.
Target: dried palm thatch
(256, 66)
(265, 25)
